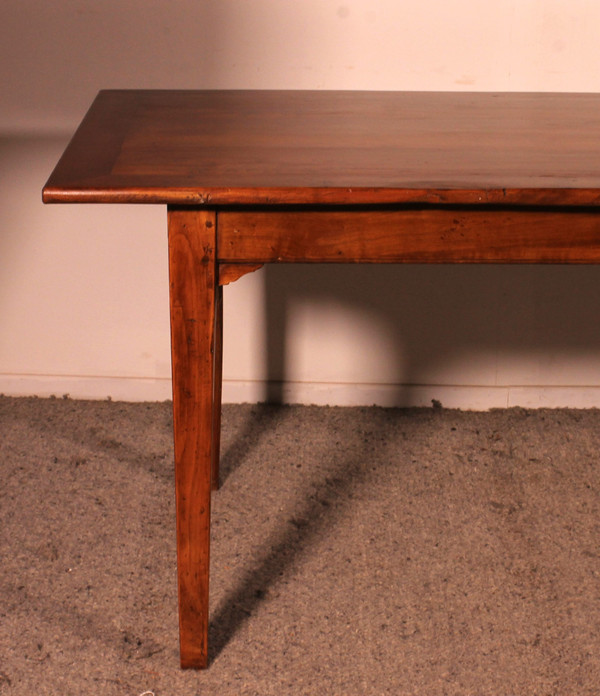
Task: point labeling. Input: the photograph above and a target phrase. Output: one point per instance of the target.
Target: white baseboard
(77, 387)
(478, 398)
(466, 397)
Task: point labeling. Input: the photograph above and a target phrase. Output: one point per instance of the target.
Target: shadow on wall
(495, 325)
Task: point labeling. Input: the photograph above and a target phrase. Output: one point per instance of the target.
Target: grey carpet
(356, 551)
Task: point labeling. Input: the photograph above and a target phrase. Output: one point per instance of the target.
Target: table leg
(193, 297)
(218, 384)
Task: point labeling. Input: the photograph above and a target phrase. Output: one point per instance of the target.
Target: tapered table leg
(218, 381)
(193, 295)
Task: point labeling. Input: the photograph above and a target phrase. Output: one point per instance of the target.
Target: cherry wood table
(255, 177)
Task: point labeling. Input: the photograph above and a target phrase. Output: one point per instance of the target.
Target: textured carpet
(356, 551)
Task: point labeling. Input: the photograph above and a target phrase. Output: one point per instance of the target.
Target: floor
(356, 551)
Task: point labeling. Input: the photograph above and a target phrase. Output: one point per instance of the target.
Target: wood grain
(192, 271)
(335, 148)
(230, 272)
(217, 386)
(408, 235)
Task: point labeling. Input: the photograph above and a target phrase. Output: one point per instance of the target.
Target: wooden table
(261, 177)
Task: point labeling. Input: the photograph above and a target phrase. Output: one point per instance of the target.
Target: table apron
(428, 235)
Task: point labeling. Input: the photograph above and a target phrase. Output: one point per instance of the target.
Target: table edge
(325, 196)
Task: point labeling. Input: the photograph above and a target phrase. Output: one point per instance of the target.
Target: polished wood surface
(279, 147)
(194, 330)
(478, 234)
(270, 177)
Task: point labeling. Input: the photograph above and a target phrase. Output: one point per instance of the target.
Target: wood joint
(230, 272)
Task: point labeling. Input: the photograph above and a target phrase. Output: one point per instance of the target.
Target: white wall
(83, 289)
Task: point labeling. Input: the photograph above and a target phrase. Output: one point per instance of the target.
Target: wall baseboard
(467, 397)
(80, 387)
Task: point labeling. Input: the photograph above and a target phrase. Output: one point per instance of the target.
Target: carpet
(355, 551)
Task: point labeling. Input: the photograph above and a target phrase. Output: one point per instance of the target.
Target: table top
(338, 148)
